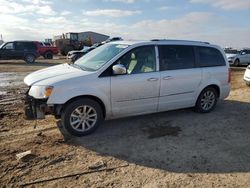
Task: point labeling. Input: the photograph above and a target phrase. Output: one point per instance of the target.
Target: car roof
(22, 41)
(161, 42)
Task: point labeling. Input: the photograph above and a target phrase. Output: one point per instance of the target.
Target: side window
(20, 46)
(139, 60)
(174, 57)
(30, 46)
(210, 57)
(243, 52)
(9, 46)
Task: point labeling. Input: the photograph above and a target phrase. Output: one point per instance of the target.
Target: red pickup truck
(47, 51)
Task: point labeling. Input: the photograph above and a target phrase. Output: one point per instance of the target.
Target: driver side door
(137, 91)
(8, 51)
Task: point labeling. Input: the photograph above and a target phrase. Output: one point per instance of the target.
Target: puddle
(161, 131)
(3, 92)
(11, 79)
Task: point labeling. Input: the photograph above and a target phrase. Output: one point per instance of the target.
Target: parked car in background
(76, 54)
(47, 44)
(25, 50)
(238, 58)
(126, 78)
(47, 51)
(247, 75)
(112, 39)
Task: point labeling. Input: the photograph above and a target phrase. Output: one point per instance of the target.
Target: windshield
(2, 45)
(86, 49)
(96, 58)
(230, 51)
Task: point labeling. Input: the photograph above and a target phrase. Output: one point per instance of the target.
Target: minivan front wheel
(82, 117)
(207, 100)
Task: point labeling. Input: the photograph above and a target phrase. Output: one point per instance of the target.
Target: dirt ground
(171, 149)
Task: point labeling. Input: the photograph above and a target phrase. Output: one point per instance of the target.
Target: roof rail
(158, 39)
(179, 40)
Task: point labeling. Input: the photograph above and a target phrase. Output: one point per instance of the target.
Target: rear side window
(20, 46)
(210, 57)
(174, 57)
(29, 45)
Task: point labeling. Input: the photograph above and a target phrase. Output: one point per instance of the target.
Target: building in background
(94, 37)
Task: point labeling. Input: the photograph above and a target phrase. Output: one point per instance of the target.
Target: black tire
(66, 49)
(30, 58)
(62, 51)
(204, 99)
(69, 117)
(237, 62)
(48, 55)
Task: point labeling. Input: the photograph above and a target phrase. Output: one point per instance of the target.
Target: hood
(53, 74)
(231, 55)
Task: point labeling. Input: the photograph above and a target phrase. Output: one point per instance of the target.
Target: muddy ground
(171, 149)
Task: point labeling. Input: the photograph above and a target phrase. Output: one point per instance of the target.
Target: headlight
(48, 91)
(40, 92)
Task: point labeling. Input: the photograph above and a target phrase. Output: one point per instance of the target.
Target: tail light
(229, 75)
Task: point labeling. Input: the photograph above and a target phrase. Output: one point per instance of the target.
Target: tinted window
(176, 57)
(20, 46)
(139, 60)
(210, 57)
(231, 51)
(30, 45)
(25, 46)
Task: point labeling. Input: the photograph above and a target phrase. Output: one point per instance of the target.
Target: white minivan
(127, 78)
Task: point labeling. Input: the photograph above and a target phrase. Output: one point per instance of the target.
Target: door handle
(152, 79)
(167, 78)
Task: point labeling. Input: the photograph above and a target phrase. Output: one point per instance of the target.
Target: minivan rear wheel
(82, 117)
(207, 100)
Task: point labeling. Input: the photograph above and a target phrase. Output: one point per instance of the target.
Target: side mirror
(119, 69)
(243, 53)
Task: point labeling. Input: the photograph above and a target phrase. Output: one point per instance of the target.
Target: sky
(222, 22)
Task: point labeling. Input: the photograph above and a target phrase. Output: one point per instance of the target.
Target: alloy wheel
(208, 100)
(83, 118)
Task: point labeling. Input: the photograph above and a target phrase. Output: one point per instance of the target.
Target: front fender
(101, 90)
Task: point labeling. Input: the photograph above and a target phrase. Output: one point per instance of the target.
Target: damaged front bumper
(36, 108)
